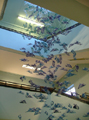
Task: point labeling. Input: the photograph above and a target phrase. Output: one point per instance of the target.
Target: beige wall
(80, 77)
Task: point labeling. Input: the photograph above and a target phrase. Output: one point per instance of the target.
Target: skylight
(71, 90)
(53, 22)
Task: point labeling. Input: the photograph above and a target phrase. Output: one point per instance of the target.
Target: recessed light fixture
(30, 67)
(30, 21)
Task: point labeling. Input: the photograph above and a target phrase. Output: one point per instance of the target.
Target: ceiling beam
(68, 8)
(84, 2)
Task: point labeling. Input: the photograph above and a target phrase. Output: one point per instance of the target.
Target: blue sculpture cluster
(44, 47)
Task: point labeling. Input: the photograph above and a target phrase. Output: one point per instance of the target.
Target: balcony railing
(39, 89)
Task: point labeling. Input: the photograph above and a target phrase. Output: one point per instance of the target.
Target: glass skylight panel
(53, 22)
(71, 91)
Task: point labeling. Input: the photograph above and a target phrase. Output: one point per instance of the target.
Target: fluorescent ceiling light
(30, 21)
(30, 67)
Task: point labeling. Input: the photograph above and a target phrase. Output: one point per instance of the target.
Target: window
(70, 90)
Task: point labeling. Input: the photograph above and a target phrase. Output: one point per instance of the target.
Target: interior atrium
(44, 60)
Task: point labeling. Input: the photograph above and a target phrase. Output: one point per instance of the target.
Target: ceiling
(72, 9)
(11, 63)
(84, 2)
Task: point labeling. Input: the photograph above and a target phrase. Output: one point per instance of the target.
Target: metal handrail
(29, 87)
(22, 86)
